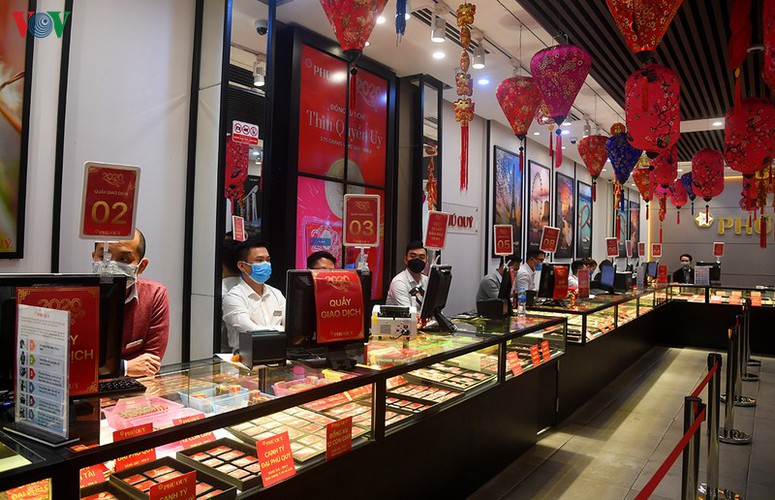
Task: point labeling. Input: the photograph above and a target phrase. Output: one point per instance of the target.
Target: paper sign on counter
(93, 475)
(583, 277)
(545, 351)
(512, 359)
(275, 459)
(238, 228)
(535, 355)
(656, 250)
(138, 458)
(436, 233)
(339, 437)
(179, 488)
(718, 249)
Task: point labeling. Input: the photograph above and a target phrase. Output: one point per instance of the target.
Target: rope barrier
(670, 460)
(705, 381)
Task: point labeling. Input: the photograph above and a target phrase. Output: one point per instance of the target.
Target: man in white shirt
(526, 272)
(408, 287)
(252, 304)
(573, 280)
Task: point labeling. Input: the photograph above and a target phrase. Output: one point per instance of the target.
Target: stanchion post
(748, 360)
(691, 454)
(745, 354)
(711, 488)
(730, 434)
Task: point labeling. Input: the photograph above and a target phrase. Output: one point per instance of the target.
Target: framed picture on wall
(538, 203)
(634, 233)
(584, 223)
(565, 215)
(507, 194)
(15, 84)
(621, 213)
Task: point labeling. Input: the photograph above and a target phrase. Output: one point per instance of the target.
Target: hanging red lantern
(665, 167)
(768, 68)
(653, 110)
(592, 152)
(678, 197)
(353, 21)
(707, 174)
(740, 38)
(749, 136)
(560, 72)
(643, 23)
(644, 181)
(519, 99)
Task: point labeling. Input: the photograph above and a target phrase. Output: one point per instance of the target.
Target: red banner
(662, 274)
(718, 249)
(83, 302)
(436, 234)
(361, 220)
(339, 306)
(583, 277)
(246, 133)
(656, 250)
(178, 488)
(109, 201)
(504, 239)
(611, 247)
(275, 459)
(560, 282)
(339, 438)
(550, 238)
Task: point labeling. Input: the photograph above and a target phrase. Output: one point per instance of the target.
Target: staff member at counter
(686, 273)
(490, 286)
(410, 282)
(321, 260)
(252, 304)
(526, 272)
(147, 310)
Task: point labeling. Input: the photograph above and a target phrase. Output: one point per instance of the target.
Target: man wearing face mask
(408, 287)
(686, 273)
(146, 313)
(526, 272)
(253, 304)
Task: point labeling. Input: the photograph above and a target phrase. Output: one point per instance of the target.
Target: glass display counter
(208, 416)
(760, 296)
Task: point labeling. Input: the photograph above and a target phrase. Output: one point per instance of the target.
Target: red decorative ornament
(707, 174)
(643, 23)
(661, 194)
(665, 167)
(237, 157)
(464, 106)
(678, 197)
(749, 136)
(768, 68)
(593, 153)
(560, 72)
(644, 181)
(519, 99)
(653, 110)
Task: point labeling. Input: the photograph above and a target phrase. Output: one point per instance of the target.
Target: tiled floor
(611, 447)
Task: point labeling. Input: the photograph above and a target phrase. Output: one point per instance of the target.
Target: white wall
(128, 102)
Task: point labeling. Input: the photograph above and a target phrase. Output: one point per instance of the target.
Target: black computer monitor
(652, 270)
(715, 271)
(504, 292)
(301, 320)
(607, 277)
(546, 281)
(435, 298)
(112, 297)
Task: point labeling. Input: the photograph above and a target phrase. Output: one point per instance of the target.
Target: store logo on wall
(41, 24)
(704, 219)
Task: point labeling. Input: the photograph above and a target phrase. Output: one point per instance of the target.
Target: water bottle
(521, 302)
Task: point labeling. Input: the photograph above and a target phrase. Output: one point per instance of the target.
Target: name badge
(134, 344)
(278, 313)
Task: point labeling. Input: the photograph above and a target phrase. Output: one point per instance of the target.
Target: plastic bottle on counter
(521, 302)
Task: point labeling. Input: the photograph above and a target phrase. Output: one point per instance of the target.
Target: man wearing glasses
(526, 272)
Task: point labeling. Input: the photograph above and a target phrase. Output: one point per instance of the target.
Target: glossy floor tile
(612, 446)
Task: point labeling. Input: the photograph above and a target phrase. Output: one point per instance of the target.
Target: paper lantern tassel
(353, 87)
(464, 156)
(594, 190)
(678, 217)
(763, 230)
(521, 156)
(660, 232)
(558, 150)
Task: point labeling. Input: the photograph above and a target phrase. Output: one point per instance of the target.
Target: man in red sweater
(146, 312)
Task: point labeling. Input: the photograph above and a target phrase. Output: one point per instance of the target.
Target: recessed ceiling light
(565, 132)
(536, 133)
(564, 147)
(439, 55)
(566, 124)
(255, 153)
(483, 81)
(368, 43)
(717, 124)
(407, 16)
(381, 20)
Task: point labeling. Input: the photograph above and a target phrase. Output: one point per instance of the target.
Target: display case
(207, 417)
(760, 297)
(688, 293)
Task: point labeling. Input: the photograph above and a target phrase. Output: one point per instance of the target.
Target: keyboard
(120, 386)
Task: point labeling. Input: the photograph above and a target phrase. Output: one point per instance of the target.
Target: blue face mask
(261, 272)
(539, 267)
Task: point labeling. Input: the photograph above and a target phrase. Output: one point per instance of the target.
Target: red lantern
(643, 23)
(768, 68)
(678, 197)
(644, 181)
(353, 21)
(560, 72)
(708, 174)
(519, 98)
(665, 168)
(653, 111)
(592, 151)
(749, 136)
(740, 38)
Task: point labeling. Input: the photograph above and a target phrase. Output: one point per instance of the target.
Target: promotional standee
(550, 238)
(656, 250)
(504, 239)
(436, 233)
(611, 247)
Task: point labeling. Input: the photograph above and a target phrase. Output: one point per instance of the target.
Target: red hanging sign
(339, 305)
(339, 438)
(109, 201)
(275, 459)
(656, 250)
(238, 228)
(179, 488)
(550, 238)
(560, 282)
(718, 249)
(512, 358)
(246, 133)
(504, 239)
(612, 247)
(436, 234)
(662, 274)
(583, 277)
(361, 220)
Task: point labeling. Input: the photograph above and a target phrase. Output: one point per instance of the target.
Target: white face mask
(116, 269)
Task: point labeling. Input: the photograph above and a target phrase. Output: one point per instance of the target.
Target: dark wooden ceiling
(695, 47)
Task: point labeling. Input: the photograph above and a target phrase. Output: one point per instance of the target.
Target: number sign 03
(361, 220)
(109, 201)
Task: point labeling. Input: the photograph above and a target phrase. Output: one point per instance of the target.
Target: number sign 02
(109, 201)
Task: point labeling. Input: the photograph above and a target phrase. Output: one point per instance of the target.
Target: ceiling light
(255, 153)
(566, 123)
(438, 29)
(717, 124)
(564, 147)
(536, 133)
(585, 135)
(478, 57)
(368, 43)
(439, 55)
(680, 170)
(565, 132)
(604, 170)
(381, 20)
(483, 81)
(259, 72)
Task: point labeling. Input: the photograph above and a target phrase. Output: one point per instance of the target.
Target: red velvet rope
(670, 460)
(705, 381)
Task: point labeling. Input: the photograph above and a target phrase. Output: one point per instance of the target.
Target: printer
(393, 322)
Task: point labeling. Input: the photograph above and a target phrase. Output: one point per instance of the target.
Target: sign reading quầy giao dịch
(339, 305)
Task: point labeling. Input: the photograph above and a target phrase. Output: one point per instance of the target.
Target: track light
(438, 29)
(478, 62)
(259, 72)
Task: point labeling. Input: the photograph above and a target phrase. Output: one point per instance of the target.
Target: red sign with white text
(662, 274)
(583, 277)
(642, 249)
(93, 475)
(512, 358)
(560, 282)
(179, 488)
(611, 247)
(718, 248)
(436, 234)
(238, 228)
(545, 351)
(134, 459)
(275, 459)
(504, 239)
(339, 305)
(109, 201)
(246, 133)
(550, 238)
(339, 437)
(656, 249)
(535, 355)
(361, 220)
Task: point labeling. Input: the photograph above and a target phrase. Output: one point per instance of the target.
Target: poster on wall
(507, 194)
(564, 215)
(538, 203)
(15, 83)
(584, 225)
(431, 179)
(622, 210)
(634, 223)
